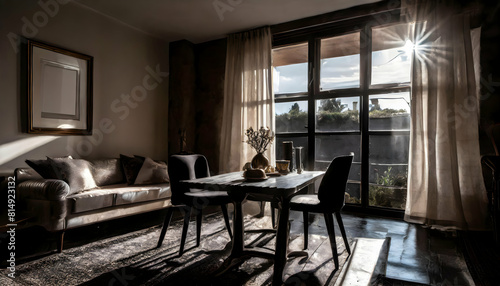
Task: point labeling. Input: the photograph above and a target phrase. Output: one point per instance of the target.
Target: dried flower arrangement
(259, 139)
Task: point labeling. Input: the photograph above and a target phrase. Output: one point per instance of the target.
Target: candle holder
(298, 159)
(288, 154)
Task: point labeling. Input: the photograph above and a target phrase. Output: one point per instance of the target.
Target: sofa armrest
(43, 189)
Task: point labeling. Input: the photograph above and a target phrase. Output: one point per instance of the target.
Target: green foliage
(329, 117)
(386, 179)
(351, 200)
(295, 109)
(331, 105)
(330, 112)
(295, 119)
(386, 112)
(392, 196)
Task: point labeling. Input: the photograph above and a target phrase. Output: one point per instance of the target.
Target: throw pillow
(131, 167)
(152, 172)
(107, 172)
(44, 168)
(76, 172)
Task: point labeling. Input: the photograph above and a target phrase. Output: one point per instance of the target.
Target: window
(290, 84)
(340, 62)
(348, 91)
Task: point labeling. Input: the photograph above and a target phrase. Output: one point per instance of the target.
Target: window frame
(313, 37)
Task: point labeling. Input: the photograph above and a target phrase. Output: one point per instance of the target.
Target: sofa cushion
(136, 194)
(107, 172)
(91, 200)
(76, 172)
(131, 167)
(116, 195)
(44, 168)
(152, 172)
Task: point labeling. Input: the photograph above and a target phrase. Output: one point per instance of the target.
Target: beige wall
(121, 58)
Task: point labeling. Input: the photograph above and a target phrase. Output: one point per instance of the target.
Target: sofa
(65, 193)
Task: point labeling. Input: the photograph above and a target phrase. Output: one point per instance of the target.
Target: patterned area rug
(133, 259)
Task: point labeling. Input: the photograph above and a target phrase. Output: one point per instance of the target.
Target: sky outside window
(290, 78)
(391, 55)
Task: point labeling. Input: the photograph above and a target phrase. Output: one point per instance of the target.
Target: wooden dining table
(280, 188)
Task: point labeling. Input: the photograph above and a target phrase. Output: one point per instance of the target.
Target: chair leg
(277, 218)
(226, 220)
(305, 218)
(187, 216)
(166, 223)
(273, 217)
(331, 236)
(342, 230)
(60, 242)
(199, 215)
(262, 209)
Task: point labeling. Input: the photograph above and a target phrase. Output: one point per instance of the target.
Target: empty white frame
(59, 91)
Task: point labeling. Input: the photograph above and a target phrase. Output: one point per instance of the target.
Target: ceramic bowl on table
(282, 166)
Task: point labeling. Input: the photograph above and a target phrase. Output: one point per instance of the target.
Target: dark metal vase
(260, 161)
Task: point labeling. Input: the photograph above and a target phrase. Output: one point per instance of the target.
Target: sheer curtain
(445, 184)
(248, 97)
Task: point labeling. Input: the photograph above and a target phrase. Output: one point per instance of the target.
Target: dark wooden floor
(418, 255)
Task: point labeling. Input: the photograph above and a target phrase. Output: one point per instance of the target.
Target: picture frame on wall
(59, 90)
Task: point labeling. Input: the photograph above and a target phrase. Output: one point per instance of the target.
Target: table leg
(281, 242)
(237, 248)
(236, 255)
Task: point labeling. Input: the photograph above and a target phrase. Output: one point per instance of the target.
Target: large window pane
(290, 69)
(390, 111)
(331, 146)
(339, 95)
(337, 114)
(388, 170)
(391, 54)
(340, 62)
(291, 116)
(297, 142)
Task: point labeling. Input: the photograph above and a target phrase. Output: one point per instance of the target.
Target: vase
(260, 161)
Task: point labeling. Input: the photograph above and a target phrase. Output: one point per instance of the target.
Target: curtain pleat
(445, 184)
(248, 97)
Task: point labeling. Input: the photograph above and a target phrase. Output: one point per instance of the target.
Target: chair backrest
(332, 188)
(185, 167)
(494, 134)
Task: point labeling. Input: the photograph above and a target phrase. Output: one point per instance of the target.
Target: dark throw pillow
(152, 172)
(76, 172)
(107, 172)
(131, 167)
(44, 168)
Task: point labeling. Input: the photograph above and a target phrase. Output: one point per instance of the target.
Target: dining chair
(187, 167)
(329, 200)
(492, 162)
(494, 135)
